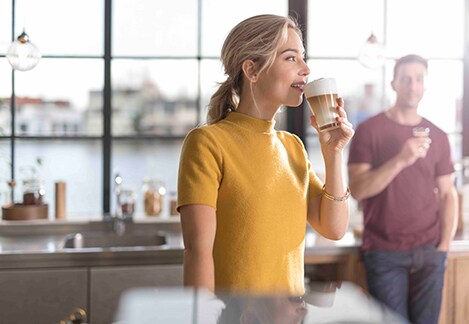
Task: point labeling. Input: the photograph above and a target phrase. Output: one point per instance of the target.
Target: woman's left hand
(335, 140)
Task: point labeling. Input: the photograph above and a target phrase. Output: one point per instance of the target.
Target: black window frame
(295, 117)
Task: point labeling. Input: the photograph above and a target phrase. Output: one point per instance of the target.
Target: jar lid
(33, 181)
(151, 181)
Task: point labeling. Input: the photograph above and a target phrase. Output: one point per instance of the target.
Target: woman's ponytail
(224, 100)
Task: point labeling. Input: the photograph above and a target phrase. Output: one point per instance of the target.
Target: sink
(108, 240)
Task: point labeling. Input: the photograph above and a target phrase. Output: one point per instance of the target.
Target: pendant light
(372, 53)
(22, 54)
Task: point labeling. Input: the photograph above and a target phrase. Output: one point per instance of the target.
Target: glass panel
(154, 97)
(429, 28)
(150, 28)
(5, 25)
(211, 73)
(339, 28)
(60, 97)
(5, 97)
(78, 163)
(216, 26)
(63, 27)
(135, 160)
(5, 171)
(455, 141)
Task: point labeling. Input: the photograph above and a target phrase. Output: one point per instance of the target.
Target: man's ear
(392, 85)
(250, 70)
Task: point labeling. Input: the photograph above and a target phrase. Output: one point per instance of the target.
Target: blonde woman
(245, 190)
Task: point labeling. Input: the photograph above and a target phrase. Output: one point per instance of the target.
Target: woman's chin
(294, 103)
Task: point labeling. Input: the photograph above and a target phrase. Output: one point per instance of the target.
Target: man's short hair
(411, 58)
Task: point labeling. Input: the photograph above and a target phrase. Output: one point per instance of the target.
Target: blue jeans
(409, 282)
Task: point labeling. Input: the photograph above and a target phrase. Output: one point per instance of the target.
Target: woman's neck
(254, 109)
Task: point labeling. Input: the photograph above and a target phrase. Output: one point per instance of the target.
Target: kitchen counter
(32, 256)
(37, 244)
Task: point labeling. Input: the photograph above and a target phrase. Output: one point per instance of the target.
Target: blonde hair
(258, 39)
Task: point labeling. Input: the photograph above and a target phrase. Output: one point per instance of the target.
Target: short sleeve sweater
(259, 181)
(405, 214)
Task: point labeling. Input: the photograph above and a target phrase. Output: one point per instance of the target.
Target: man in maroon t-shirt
(406, 185)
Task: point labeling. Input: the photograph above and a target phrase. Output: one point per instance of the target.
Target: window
(89, 110)
(161, 87)
(164, 65)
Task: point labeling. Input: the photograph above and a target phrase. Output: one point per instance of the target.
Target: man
(406, 185)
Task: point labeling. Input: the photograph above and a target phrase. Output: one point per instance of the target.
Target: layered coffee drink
(322, 97)
(421, 132)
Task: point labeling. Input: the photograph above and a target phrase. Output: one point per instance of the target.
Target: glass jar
(154, 191)
(173, 204)
(127, 198)
(33, 192)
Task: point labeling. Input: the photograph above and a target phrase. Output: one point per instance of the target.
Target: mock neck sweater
(259, 181)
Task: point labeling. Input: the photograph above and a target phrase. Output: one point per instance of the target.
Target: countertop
(39, 244)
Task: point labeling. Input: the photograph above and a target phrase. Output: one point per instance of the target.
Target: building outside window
(164, 66)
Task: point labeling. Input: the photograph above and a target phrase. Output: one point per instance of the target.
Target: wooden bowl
(25, 212)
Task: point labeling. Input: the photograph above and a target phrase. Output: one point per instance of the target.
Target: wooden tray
(25, 212)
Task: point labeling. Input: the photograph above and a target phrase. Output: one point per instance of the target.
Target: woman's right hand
(335, 140)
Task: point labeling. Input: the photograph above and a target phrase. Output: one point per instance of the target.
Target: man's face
(409, 84)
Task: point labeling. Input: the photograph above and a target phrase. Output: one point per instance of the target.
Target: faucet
(122, 213)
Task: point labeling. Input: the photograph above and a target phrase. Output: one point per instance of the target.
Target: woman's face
(283, 83)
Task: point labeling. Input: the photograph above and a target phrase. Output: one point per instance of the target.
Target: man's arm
(448, 210)
(198, 229)
(366, 182)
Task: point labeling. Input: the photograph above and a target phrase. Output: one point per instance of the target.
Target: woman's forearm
(333, 218)
(199, 270)
(334, 214)
(198, 224)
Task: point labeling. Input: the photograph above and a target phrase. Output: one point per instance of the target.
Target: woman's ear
(250, 70)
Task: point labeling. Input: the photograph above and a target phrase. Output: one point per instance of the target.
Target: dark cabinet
(41, 296)
(108, 283)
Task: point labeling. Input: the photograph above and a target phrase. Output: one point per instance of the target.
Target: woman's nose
(305, 71)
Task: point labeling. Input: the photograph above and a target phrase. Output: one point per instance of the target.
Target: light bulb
(372, 53)
(22, 54)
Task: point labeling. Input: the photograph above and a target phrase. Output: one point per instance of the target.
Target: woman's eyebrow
(292, 50)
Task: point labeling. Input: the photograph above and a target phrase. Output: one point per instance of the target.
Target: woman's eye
(291, 58)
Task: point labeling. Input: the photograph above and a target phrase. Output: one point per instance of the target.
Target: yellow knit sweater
(259, 181)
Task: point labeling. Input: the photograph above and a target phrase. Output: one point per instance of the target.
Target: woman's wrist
(331, 197)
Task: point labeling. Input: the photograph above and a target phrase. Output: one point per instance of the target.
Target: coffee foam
(319, 87)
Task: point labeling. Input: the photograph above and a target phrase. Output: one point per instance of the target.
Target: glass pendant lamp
(372, 53)
(22, 54)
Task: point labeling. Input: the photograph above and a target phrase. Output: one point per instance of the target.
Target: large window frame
(295, 117)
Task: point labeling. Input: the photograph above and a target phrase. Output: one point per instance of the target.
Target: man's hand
(414, 148)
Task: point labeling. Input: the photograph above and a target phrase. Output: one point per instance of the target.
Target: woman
(245, 190)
